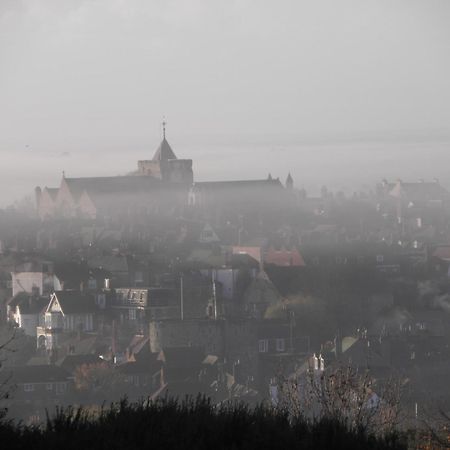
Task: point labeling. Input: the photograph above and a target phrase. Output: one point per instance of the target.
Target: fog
(322, 89)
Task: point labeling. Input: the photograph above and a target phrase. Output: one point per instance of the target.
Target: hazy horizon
(95, 77)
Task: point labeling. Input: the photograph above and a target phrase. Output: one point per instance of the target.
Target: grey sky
(94, 74)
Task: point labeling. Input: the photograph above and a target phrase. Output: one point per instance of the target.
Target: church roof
(164, 152)
(107, 185)
(237, 184)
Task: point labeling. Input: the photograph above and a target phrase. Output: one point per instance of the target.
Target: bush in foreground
(191, 424)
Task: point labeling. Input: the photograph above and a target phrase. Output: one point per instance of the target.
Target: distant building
(159, 186)
(166, 166)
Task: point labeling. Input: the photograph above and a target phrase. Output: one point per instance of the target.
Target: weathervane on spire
(164, 123)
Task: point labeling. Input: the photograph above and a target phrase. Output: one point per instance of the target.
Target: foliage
(97, 377)
(188, 425)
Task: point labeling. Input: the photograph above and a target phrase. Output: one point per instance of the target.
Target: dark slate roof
(108, 185)
(164, 152)
(71, 362)
(146, 366)
(52, 192)
(38, 374)
(182, 357)
(29, 304)
(74, 302)
(237, 184)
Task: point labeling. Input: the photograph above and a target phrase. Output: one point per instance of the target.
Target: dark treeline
(189, 424)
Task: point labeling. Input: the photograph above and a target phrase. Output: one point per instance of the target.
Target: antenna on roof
(164, 123)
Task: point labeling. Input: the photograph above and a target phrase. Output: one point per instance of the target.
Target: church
(163, 185)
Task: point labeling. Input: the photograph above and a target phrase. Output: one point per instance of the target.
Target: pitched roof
(75, 302)
(30, 304)
(237, 184)
(284, 257)
(147, 366)
(182, 357)
(164, 152)
(262, 290)
(108, 185)
(52, 192)
(38, 374)
(71, 362)
(421, 191)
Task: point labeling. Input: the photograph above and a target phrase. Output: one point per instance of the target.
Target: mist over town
(215, 214)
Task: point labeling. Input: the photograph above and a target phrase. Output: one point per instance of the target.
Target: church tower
(165, 165)
(289, 182)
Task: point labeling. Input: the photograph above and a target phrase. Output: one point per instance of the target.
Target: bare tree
(5, 376)
(345, 395)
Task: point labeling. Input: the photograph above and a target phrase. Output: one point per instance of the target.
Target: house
(38, 389)
(35, 277)
(137, 306)
(26, 311)
(66, 312)
(284, 257)
(143, 374)
(259, 295)
(70, 363)
(181, 363)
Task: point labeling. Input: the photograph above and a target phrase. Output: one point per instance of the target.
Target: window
(138, 277)
(132, 314)
(280, 345)
(28, 387)
(380, 259)
(60, 388)
(49, 386)
(263, 346)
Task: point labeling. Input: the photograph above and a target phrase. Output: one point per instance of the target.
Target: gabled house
(66, 312)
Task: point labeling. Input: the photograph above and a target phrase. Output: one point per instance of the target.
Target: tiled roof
(38, 374)
(75, 302)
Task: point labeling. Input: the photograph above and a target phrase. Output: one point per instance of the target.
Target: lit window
(132, 314)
